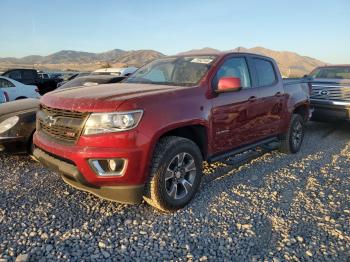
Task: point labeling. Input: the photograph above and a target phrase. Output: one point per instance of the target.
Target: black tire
(167, 170)
(290, 142)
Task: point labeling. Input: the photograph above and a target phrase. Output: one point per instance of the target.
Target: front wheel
(175, 174)
(292, 140)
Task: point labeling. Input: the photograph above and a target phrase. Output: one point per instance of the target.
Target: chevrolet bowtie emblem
(50, 120)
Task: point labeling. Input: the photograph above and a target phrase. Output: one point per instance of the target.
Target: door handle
(252, 99)
(278, 94)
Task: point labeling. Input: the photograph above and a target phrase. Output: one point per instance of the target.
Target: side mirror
(305, 76)
(229, 84)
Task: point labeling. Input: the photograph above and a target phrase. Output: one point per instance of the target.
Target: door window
(5, 83)
(265, 71)
(234, 67)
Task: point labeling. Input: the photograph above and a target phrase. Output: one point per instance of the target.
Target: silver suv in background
(330, 94)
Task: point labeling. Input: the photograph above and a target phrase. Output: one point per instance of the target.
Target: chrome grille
(330, 92)
(60, 112)
(64, 125)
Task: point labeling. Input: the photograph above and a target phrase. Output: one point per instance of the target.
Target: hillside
(77, 60)
(291, 64)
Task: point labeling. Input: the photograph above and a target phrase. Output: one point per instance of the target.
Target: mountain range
(291, 64)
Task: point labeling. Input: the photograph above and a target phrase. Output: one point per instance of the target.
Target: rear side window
(4, 83)
(16, 74)
(265, 71)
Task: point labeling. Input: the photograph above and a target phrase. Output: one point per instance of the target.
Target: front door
(234, 115)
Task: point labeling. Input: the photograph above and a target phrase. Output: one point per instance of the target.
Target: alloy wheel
(297, 134)
(180, 176)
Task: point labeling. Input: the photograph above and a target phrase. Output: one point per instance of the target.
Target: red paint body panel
(230, 119)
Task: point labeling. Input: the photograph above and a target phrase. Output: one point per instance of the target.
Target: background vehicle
(92, 80)
(13, 90)
(330, 95)
(145, 138)
(78, 75)
(17, 125)
(17, 137)
(115, 71)
(43, 75)
(3, 97)
(73, 77)
(31, 77)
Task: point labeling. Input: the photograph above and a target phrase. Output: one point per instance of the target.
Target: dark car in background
(91, 80)
(72, 76)
(18, 118)
(17, 125)
(330, 96)
(32, 77)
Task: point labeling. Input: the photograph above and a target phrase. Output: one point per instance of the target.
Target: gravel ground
(275, 208)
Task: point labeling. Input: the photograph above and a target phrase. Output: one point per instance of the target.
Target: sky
(315, 28)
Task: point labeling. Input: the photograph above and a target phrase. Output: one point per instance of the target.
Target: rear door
(271, 96)
(234, 115)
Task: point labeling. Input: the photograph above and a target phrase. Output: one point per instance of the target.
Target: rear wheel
(292, 140)
(175, 174)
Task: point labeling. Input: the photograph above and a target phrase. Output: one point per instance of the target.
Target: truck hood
(101, 98)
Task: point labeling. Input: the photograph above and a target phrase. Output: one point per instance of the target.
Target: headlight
(8, 123)
(112, 122)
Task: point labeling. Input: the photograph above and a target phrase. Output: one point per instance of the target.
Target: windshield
(181, 71)
(332, 72)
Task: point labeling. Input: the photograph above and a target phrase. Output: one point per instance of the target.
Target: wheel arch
(195, 132)
(302, 110)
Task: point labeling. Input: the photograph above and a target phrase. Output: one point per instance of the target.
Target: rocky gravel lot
(275, 208)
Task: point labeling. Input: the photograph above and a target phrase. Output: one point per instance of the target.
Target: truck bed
(298, 88)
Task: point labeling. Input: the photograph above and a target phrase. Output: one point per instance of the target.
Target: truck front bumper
(74, 162)
(330, 110)
(131, 194)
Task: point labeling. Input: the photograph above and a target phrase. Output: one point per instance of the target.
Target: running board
(246, 153)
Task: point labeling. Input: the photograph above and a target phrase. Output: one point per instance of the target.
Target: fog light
(112, 164)
(109, 167)
(2, 148)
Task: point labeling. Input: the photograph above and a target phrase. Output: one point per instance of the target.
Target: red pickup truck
(146, 138)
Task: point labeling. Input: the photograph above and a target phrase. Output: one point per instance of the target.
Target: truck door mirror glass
(229, 84)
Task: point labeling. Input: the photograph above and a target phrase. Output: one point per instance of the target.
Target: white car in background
(11, 90)
(126, 71)
(44, 75)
